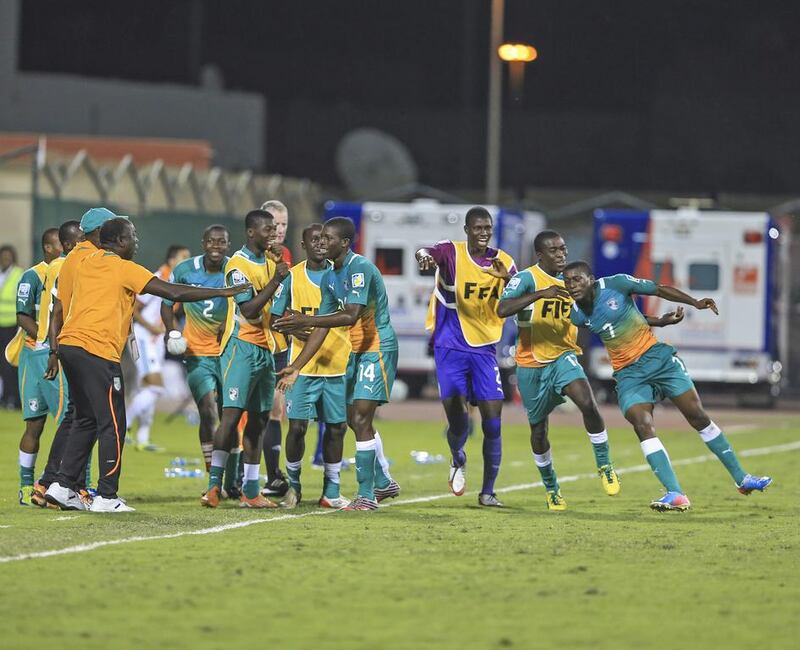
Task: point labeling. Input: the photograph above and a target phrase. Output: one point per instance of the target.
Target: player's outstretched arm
(290, 373)
(293, 321)
(425, 260)
(676, 295)
(670, 318)
(510, 306)
(167, 317)
(188, 293)
(252, 308)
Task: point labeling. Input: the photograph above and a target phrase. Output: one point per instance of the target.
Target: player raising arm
(646, 371)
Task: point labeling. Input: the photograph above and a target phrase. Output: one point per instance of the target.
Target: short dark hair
(542, 237)
(215, 226)
(478, 212)
(344, 226)
(252, 217)
(113, 229)
(579, 265)
(68, 230)
(10, 249)
(172, 251)
(48, 235)
(307, 230)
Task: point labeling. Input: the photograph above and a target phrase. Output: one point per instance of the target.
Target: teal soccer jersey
(616, 319)
(359, 282)
(29, 294)
(204, 318)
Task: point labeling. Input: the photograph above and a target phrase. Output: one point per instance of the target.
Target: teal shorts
(40, 396)
(317, 398)
(248, 376)
(657, 374)
(542, 388)
(370, 375)
(203, 375)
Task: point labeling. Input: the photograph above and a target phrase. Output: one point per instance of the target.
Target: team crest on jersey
(288, 406)
(613, 304)
(278, 291)
(33, 404)
(233, 393)
(24, 291)
(117, 384)
(237, 277)
(513, 284)
(358, 280)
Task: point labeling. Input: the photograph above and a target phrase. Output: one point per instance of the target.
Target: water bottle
(426, 458)
(178, 472)
(183, 462)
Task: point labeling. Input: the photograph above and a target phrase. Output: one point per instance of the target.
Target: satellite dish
(371, 163)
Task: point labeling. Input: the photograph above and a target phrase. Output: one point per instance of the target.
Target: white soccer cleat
(337, 503)
(457, 480)
(63, 497)
(101, 504)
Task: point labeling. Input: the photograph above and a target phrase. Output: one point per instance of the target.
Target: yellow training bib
(545, 330)
(477, 294)
(331, 359)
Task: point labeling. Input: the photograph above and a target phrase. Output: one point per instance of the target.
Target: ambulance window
(703, 277)
(389, 261)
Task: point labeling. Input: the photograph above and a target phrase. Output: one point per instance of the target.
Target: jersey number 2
(209, 305)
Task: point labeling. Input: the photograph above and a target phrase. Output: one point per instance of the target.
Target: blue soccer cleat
(671, 501)
(750, 483)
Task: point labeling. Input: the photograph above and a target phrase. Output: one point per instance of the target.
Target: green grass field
(431, 571)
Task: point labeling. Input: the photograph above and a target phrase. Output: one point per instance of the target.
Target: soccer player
(647, 371)
(39, 396)
(547, 365)
(90, 347)
(248, 378)
(470, 277)
(319, 392)
(354, 296)
(276, 484)
(149, 332)
(204, 323)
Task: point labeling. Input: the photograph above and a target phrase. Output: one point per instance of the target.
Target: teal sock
(25, 476)
(722, 449)
(215, 477)
(251, 488)
(600, 448)
(544, 463)
(381, 479)
(365, 472)
(656, 456)
(232, 470)
(293, 474)
(330, 484)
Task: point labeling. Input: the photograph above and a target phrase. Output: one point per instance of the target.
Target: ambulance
(389, 234)
(728, 256)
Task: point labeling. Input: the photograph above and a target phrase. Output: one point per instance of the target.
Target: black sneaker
(277, 487)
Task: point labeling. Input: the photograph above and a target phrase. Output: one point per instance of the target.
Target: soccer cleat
(609, 479)
(750, 483)
(292, 499)
(361, 503)
(25, 495)
(457, 480)
(233, 492)
(87, 497)
(337, 503)
(277, 487)
(671, 501)
(210, 498)
(259, 501)
(389, 492)
(489, 500)
(63, 497)
(555, 501)
(147, 446)
(102, 504)
(37, 496)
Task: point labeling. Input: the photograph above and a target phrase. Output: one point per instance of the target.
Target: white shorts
(151, 351)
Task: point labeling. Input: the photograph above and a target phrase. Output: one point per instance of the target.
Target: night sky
(679, 94)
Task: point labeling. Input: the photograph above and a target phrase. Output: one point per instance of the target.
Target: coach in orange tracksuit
(90, 347)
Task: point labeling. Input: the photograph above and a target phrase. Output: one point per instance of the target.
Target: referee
(90, 347)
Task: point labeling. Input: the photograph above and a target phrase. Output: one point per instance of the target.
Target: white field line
(82, 548)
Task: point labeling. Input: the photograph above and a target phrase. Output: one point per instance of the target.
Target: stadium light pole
(495, 109)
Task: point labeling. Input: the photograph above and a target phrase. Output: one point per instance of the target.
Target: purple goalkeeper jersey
(447, 332)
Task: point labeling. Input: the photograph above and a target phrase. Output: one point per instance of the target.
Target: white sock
(251, 471)
(365, 445)
(651, 446)
(543, 460)
(219, 458)
(598, 438)
(332, 471)
(710, 432)
(144, 407)
(26, 459)
(294, 466)
(379, 455)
